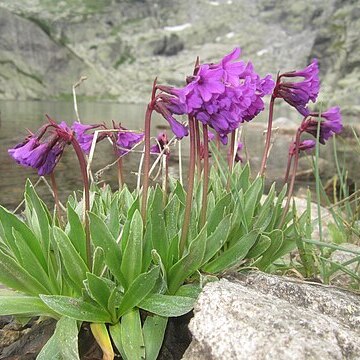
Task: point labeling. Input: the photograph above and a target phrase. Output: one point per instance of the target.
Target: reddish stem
(198, 145)
(268, 137)
(293, 176)
(85, 177)
(288, 168)
(148, 114)
(189, 194)
(206, 177)
(231, 159)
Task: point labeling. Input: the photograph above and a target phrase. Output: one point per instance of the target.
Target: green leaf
(115, 332)
(167, 305)
(63, 345)
(159, 237)
(76, 308)
(41, 216)
(100, 289)
(189, 263)
(218, 213)
(172, 213)
(98, 261)
(252, 198)
(16, 277)
(131, 265)
(276, 237)
(31, 263)
(73, 262)
(189, 290)
(76, 233)
(9, 221)
(217, 239)
(23, 305)
(260, 247)
(233, 255)
(101, 237)
(114, 224)
(138, 290)
(132, 336)
(154, 331)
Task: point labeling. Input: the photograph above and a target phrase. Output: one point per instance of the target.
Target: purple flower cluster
(43, 151)
(220, 95)
(305, 145)
(330, 124)
(299, 93)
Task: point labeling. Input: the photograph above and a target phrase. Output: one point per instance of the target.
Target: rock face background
(122, 45)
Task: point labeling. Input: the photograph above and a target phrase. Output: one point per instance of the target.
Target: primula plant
(127, 260)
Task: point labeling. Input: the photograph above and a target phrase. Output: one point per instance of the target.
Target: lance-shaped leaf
(63, 345)
(76, 308)
(167, 305)
(102, 238)
(131, 264)
(24, 305)
(233, 255)
(73, 262)
(138, 290)
(9, 222)
(189, 263)
(16, 277)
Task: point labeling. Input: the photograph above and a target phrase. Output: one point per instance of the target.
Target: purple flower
(43, 151)
(330, 124)
(83, 137)
(126, 140)
(220, 95)
(21, 151)
(299, 93)
(161, 141)
(305, 145)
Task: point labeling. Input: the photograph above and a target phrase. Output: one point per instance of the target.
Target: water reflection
(18, 116)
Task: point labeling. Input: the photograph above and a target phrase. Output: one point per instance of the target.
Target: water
(16, 117)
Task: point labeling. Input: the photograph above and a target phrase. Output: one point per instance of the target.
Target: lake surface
(16, 117)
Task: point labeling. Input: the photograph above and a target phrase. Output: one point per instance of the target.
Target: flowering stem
(85, 177)
(189, 193)
(198, 154)
(56, 196)
(293, 176)
(268, 133)
(149, 111)
(206, 177)
(288, 168)
(231, 158)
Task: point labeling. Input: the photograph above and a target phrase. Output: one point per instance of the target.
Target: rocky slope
(122, 45)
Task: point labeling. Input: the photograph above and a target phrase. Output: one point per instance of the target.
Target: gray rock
(267, 317)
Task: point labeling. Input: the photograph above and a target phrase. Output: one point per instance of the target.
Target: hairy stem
(198, 152)
(189, 193)
(268, 137)
(206, 177)
(293, 176)
(148, 114)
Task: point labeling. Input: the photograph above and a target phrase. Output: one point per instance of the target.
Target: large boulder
(259, 316)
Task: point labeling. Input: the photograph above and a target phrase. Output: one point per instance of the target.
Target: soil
(24, 342)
